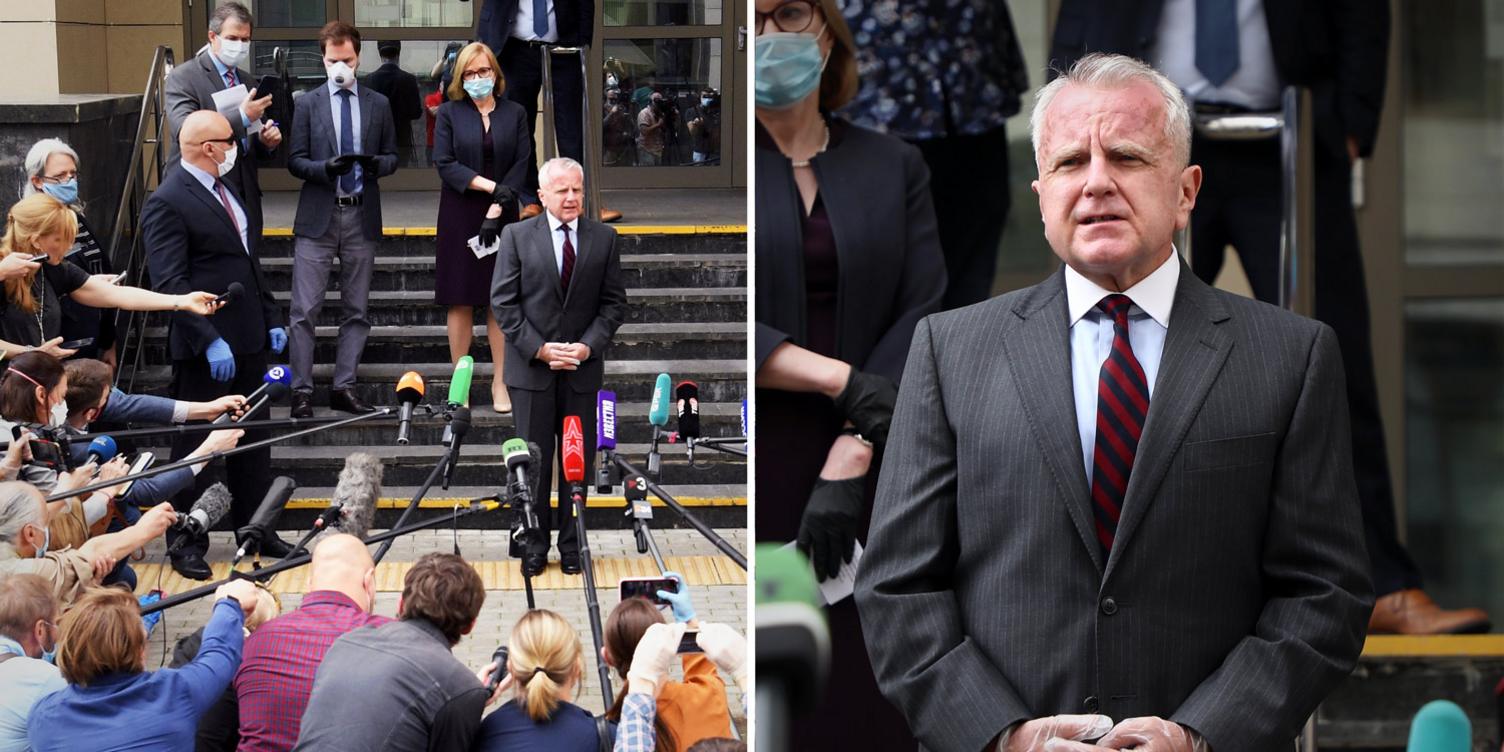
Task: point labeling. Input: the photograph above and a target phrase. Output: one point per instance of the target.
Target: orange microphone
(409, 393)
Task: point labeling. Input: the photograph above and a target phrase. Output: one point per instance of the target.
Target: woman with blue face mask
(482, 151)
(52, 168)
(848, 261)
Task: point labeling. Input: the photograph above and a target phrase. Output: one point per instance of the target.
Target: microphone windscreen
(534, 468)
(277, 390)
(233, 292)
(658, 408)
(278, 375)
(687, 399)
(605, 420)
(459, 421)
(574, 450)
(358, 490)
(104, 446)
(459, 384)
(410, 387)
(1439, 726)
(212, 504)
(270, 509)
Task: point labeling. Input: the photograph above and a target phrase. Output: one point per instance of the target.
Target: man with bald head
(281, 658)
(1117, 508)
(198, 238)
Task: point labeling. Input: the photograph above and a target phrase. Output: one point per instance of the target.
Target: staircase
(687, 313)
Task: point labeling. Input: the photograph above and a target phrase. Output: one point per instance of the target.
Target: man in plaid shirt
(281, 658)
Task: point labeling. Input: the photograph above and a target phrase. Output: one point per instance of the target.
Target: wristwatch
(852, 432)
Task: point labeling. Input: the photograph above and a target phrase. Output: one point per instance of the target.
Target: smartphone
(267, 85)
(77, 343)
(38, 259)
(500, 659)
(119, 278)
(647, 587)
(139, 465)
(688, 643)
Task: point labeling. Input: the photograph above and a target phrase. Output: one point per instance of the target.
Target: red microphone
(574, 450)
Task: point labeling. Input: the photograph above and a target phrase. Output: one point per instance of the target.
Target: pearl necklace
(818, 152)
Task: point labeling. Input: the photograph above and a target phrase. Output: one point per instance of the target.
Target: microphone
(687, 397)
(275, 374)
(231, 294)
(522, 460)
(459, 383)
(658, 408)
(265, 516)
(574, 450)
(274, 392)
(211, 506)
(409, 392)
(102, 449)
(744, 416)
(1439, 726)
(454, 434)
(793, 641)
(355, 496)
(605, 437)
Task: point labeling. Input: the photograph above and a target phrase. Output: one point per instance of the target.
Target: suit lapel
(582, 238)
(1038, 354)
(545, 251)
(365, 120)
(1195, 351)
(197, 190)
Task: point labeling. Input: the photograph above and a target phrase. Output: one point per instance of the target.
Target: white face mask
(341, 74)
(58, 415)
(232, 52)
(229, 163)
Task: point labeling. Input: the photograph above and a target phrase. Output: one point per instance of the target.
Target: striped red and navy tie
(1122, 406)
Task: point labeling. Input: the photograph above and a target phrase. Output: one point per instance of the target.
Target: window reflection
(415, 13)
(287, 13)
(662, 102)
(661, 13)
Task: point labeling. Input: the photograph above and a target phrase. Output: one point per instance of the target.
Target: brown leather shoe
(610, 215)
(1412, 612)
(345, 400)
(531, 210)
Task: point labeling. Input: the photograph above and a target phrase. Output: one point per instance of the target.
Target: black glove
(489, 229)
(867, 401)
(504, 195)
(339, 165)
(827, 532)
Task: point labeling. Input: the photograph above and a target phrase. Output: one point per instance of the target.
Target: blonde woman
(545, 661)
(30, 313)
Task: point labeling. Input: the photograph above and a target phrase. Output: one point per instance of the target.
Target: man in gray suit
(191, 87)
(343, 140)
(1119, 493)
(558, 296)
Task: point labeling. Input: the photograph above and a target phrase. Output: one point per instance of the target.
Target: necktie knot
(1116, 307)
(346, 93)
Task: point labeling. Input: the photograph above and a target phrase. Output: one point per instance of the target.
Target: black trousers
(249, 474)
(540, 418)
(969, 185)
(1239, 205)
(522, 64)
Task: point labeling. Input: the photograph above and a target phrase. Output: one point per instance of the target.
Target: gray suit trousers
(310, 282)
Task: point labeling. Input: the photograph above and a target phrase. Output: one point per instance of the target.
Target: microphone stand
(720, 445)
(412, 504)
(705, 530)
(210, 457)
(592, 601)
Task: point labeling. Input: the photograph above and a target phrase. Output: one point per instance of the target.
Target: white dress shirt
(1255, 84)
(523, 28)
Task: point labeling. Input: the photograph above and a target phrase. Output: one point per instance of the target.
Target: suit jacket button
(1090, 704)
(1109, 606)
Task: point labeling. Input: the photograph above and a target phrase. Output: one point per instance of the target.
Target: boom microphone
(409, 392)
(459, 384)
(101, 450)
(273, 375)
(658, 408)
(265, 517)
(355, 495)
(206, 512)
(231, 294)
(687, 401)
(574, 450)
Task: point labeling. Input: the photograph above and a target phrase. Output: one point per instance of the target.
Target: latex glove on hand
(489, 229)
(221, 360)
(684, 607)
(654, 655)
(867, 401)
(1049, 733)
(278, 338)
(827, 531)
(339, 165)
(726, 648)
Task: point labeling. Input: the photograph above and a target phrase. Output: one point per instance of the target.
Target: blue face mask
(788, 68)
(66, 192)
(479, 88)
(46, 541)
(705, 101)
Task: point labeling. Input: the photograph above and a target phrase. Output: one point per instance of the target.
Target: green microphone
(793, 641)
(459, 384)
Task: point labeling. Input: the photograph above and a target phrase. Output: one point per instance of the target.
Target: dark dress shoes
(192, 566)
(302, 405)
(569, 562)
(346, 401)
(534, 564)
(272, 545)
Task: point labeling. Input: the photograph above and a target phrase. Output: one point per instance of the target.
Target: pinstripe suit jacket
(1237, 593)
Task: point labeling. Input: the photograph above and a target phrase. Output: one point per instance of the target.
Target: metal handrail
(592, 205)
(126, 251)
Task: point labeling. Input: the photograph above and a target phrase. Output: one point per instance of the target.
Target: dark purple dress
(459, 277)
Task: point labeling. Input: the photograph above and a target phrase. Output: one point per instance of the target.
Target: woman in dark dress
(482, 151)
(848, 261)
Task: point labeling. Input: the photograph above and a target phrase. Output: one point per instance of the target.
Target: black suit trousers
(522, 64)
(1239, 205)
(540, 419)
(969, 184)
(248, 474)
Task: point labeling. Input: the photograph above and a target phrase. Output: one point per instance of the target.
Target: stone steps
(639, 271)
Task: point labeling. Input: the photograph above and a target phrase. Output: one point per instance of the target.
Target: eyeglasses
(227, 140)
(471, 75)
(791, 17)
(63, 178)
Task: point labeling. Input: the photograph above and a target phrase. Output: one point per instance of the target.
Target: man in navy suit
(196, 232)
(343, 139)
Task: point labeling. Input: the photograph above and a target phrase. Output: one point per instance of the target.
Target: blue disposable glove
(684, 607)
(279, 339)
(221, 360)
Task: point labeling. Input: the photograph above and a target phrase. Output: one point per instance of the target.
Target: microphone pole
(574, 472)
(210, 457)
(694, 522)
(412, 504)
(193, 428)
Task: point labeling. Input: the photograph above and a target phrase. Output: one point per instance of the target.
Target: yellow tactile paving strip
(1439, 646)
(594, 502)
(702, 570)
(286, 232)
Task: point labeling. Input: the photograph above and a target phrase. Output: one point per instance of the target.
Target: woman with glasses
(848, 261)
(482, 152)
(52, 168)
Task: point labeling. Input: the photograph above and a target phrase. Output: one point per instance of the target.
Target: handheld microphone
(574, 450)
(500, 659)
(459, 383)
(212, 505)
(273, 392)
(354, 499)
(687, 396)
(101, 450)
(605, 420)
(265, 516)
(231, 294)
(409, 392)
(1440, 726)
(273, 375)
(454, 435)
(658, 408)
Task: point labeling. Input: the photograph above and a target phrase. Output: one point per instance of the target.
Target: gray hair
(19, 506)
(36, 161)
(555, 166)
(226, 12)
(1103, 71)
